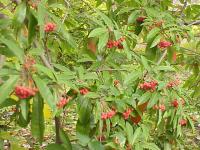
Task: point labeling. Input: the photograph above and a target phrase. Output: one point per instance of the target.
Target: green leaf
(145, 63)
(106, 19)
(152, 34)
(97, 32)
(45, 92)
(31, 27)
(154, 99)
(24, 108)
(55, 147)
(14, 48)
(95, 145)
(20, 15)
(137, 133)
(131, 77)
(8, 102)
(65, 140)
(144, 98)
(45, 70)
(129, 132)
(37, 118)
(7, 88)
(155, 41)
(150, 146)
(133, 16)
(84, 111)
(103, 39)
(41, 17)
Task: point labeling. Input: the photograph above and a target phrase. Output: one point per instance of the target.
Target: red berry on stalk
(140, 19)
(164, 44)
(127, 113)
(183, 122)
(25, 92)
(155, 107)
(83, 91)
(49, 27)
(63, 101)
(162, 107)
(175, 103)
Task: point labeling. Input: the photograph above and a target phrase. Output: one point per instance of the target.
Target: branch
(196, 22)
(162, 57)
(182, 10)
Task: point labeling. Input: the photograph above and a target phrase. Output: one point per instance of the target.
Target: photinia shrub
(118, 62)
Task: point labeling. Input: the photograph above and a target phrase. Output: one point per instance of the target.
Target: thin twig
(162, 57)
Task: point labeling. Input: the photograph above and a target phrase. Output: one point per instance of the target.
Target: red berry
(127, 113)
(116, 82)
(24, 92)
(49, 27)
(83, 91)
(155, 107)
(63, 101)
(164, 44)
(162, 107)
(175, 103)
(183, 122)
(140, 19)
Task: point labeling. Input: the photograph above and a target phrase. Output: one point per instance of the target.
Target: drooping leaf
(95, 145)
(65, 140)
(97, 32)
(31, 27)
(7, 88)
(13, 47)
(37, 118)
(45, 92)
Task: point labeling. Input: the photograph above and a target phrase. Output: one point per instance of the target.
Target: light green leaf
(97, 32)
(65, 140)
(7, 88)
(14, 48)
(103, 39)
(155, 41)
(136, 135)
(45, 92)
(144, 98)
(95, 145)
(20, 15)
(152, 34)
(106, 19)
(37, 118)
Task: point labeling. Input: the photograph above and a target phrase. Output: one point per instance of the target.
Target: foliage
(118, 61)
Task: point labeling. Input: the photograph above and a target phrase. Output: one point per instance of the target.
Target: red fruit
(149, 86)
(25, 92)
(110, 44)
(183, 122)
(127, 113)
(162, 107)
(140, 19)
(104, 116)
(164, 44)
(172, 84)
(84, 91)
(120, 46)
(49, 27)
(136, 119)
(111, 114)
(63, 101)
(175, 103)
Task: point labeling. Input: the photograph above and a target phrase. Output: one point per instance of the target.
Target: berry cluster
(183, 122)
(172, 84)
(108, 115)
(117, 43)
(140, 19)
(164, 44)
(149, 86)
(175, 103)
(160, 107)
(127, 113)
(49, 27)
(25, 92)
(83, 91)
(63, 101)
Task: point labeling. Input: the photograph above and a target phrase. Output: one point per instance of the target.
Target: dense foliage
(119, 62)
